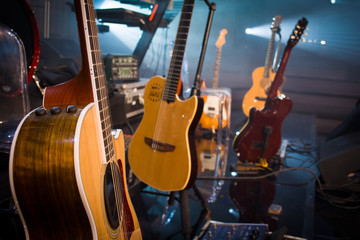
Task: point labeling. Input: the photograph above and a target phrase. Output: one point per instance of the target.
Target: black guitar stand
(195, 89)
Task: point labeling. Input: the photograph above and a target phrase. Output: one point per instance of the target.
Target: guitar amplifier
(126, 101)
(120, 68)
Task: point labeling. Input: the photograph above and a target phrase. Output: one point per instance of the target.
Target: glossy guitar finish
(260, 138)
(57, 177)
(67, 171)
(251, 139)
(262, 77)
(162, 152)
(256, 96)
(210, 115)
(159, 152)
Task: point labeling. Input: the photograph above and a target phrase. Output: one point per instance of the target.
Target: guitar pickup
(159, 146)
(260, 98)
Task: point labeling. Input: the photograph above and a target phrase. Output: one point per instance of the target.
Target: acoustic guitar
(162, 152)
(210, 116)
(260, 138)
(262, 77)
(67, 168)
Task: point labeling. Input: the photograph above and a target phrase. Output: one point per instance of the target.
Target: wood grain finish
(57, 171)
(67, 171)
(44, 179)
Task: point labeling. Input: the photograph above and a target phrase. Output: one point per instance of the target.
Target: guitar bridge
(260, 98)
(159, 146)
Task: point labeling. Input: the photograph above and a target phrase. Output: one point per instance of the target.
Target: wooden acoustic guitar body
(249, 143)
(58, 178)
(256, 96)
(161, 153)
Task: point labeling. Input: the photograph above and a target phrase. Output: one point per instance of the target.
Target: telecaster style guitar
(260, 138)
(210, 115)
(67, 171)
(162, 152)
(262, 77)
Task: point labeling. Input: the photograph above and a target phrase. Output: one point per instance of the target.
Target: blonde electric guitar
(262, 76)
(67, 168)
(162, 152)
(210, 115)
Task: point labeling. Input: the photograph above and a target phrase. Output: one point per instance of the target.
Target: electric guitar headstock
(221, 38)
(297, 32)
(275, 27)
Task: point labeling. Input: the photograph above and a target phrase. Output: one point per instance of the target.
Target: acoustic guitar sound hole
(112, 173)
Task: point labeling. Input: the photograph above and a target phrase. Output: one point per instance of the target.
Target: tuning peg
(303, 39)
(307, 29)
(305, 34)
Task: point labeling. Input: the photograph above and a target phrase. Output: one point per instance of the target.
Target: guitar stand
(187, 231)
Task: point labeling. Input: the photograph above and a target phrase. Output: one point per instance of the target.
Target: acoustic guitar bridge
(260, 98)
(159, 146)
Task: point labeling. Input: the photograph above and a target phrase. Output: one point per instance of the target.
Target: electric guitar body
(67, 171)
(252, 140)
(260, 138)
(162, 141)
(210, 115)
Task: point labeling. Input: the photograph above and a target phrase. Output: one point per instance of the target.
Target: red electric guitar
(260, 138)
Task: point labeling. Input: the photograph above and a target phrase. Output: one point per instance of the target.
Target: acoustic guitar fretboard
(97, 75)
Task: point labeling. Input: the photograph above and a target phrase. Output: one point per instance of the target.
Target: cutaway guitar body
(162, 141)
(257, 94)
(162, 152)
(252, 140)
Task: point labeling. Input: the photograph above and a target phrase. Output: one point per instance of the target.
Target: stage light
(322, 42)
(333, 1)
(260, 31)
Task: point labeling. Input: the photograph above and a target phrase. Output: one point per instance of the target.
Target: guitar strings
(173, 78)
(104, 112)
